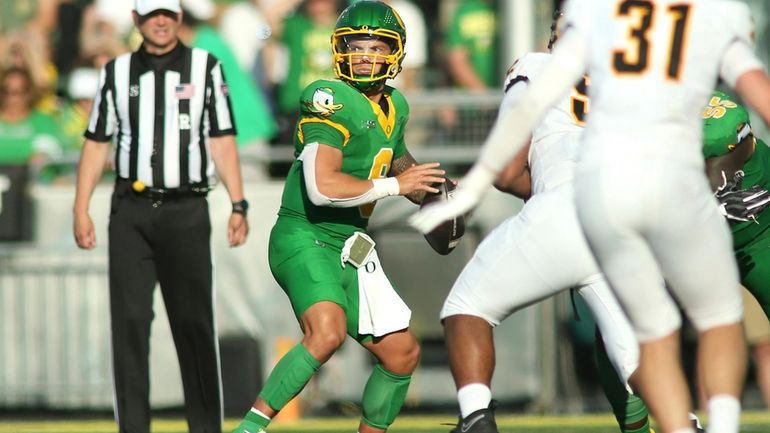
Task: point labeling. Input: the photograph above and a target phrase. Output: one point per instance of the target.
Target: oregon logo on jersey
(717, 107)
(323, 102)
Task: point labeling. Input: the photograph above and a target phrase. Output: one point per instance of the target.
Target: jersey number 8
(380, 168)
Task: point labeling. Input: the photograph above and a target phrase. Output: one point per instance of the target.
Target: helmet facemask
(382, 49)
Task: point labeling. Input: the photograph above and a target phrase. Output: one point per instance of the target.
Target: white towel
(380, 309)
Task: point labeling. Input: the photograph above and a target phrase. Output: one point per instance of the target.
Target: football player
(513, 267)
(642, 198)
(730, 147)
(738, 167)
(349, 153)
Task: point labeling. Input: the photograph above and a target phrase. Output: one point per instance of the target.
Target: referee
(167, 110)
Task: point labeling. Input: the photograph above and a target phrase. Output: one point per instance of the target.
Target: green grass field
(752, 422)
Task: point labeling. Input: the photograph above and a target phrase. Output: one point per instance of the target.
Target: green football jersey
(757, 172)
(336, 114)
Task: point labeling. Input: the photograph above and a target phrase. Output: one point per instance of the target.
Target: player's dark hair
(189, 19)
(557, 14)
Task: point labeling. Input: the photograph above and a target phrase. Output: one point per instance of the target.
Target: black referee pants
(170, 244)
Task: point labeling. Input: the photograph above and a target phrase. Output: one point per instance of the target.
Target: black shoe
(480, 421)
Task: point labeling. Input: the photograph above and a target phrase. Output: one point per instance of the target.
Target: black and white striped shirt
(161, 118)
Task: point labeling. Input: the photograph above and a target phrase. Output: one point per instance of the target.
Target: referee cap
(144, 7)
(725, 124)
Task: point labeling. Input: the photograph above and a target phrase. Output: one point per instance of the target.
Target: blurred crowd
(51, 52)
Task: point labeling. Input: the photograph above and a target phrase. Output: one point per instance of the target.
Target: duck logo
(323, 102)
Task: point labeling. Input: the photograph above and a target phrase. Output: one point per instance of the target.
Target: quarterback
(349, 152)
(640, 192)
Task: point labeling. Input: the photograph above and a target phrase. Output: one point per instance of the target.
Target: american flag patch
(184, 91)
(225, 89)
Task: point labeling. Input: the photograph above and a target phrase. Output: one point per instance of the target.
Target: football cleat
(480, 421)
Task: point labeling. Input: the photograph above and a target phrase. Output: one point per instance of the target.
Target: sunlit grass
(752, 422)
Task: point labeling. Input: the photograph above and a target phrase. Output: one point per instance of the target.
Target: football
(444, 238)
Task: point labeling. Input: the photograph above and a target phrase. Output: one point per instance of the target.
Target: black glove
(742, 205)
(732, 185)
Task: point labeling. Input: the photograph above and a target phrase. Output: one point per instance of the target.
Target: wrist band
(386, 186)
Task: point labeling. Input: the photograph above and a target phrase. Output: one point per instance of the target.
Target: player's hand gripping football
(469, 191)
(420, 177)
(737, 204)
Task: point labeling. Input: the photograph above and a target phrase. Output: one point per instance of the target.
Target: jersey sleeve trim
(342, 130)
(514, 81)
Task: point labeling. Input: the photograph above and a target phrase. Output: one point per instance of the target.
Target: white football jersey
(653, 65)
(555, 140)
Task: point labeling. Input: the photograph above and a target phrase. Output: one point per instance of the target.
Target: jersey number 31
(636, 58)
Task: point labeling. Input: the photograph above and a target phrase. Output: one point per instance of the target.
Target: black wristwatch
(241, 207)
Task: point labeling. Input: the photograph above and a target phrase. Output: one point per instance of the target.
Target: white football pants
(536, 254)
(653, 221)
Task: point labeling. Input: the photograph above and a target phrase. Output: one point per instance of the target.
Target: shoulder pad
(331, 102)
(725, 124)
(739, 14)
(326, 98)
(524, 68)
